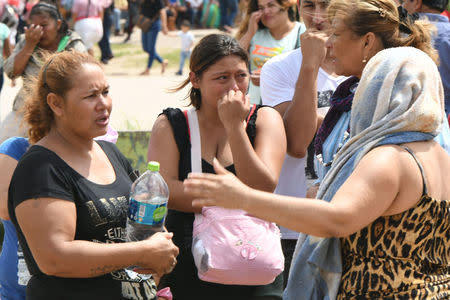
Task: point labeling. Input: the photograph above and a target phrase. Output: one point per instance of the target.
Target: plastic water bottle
(148, 204)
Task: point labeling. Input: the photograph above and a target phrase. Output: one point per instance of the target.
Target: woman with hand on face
(383, 231)
(250, 142)
(68, 197)
(269, 29)
(46, 32)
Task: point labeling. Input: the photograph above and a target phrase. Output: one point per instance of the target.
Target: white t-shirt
(195, 3)
(278, 78)
(263, 47)
(187, 40)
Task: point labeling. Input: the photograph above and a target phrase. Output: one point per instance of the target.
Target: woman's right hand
(160, 255)
(33, 34)
(255, 17)
(313, 46)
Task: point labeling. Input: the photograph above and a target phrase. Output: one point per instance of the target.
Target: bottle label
(147, 213)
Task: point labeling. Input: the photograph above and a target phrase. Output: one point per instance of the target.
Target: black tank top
(183, 280)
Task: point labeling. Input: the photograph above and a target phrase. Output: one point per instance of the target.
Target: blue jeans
(104, 45)
(149, 43)
(228, 11)
(183, 56)
(116, 18)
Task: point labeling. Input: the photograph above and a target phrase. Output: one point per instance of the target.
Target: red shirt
(446, 13)
(15, 3)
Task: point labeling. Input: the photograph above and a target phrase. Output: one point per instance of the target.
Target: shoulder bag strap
(196, 147)
(250, 114)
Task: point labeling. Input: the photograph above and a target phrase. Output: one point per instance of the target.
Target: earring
(365, 59)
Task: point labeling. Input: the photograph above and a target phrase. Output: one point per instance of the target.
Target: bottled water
(148, 204)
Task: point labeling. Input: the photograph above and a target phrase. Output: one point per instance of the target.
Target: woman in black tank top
(249, 141)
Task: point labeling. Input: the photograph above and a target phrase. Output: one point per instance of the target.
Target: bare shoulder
(436, 165)
(380, 159)
(161, 124)
(268, 114)
(162, 144)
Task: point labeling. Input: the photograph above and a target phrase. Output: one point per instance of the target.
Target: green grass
(131, 56)
(127, 50)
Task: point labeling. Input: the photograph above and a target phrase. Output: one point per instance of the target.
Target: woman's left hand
(223, 189)
(233, 108)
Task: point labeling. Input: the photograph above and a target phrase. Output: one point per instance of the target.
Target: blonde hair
(382, 18)
(56, 76)
(252, 6)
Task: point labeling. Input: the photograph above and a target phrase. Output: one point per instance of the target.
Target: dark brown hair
(56, 76)
(48, 8)
(208, 51)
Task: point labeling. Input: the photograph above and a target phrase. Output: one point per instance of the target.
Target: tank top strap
(424, 179)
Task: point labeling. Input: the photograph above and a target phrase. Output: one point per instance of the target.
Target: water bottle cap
(153, 166)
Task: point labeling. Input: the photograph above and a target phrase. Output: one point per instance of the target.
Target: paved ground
(137, 100)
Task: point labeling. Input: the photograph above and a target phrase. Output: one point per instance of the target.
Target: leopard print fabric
(404, 256)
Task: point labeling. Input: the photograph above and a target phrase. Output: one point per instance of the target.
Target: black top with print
(101, 217)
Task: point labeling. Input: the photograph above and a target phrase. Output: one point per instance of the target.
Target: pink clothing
(84, 9)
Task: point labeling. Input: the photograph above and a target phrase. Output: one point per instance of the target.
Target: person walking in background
(133, 14)
(104, 44)
(119, 6)
(87, 16)
(68, 196)
(431, 10)
(269, 29)
(187, 42)
(289, 83)
(250, 142)
(228, 11)
(154, 10)
(26, 59)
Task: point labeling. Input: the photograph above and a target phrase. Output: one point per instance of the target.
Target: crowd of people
(352, 93)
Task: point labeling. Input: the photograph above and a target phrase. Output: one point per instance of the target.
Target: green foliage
(133, 144)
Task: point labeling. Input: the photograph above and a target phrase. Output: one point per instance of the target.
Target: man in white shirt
(296, 83)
